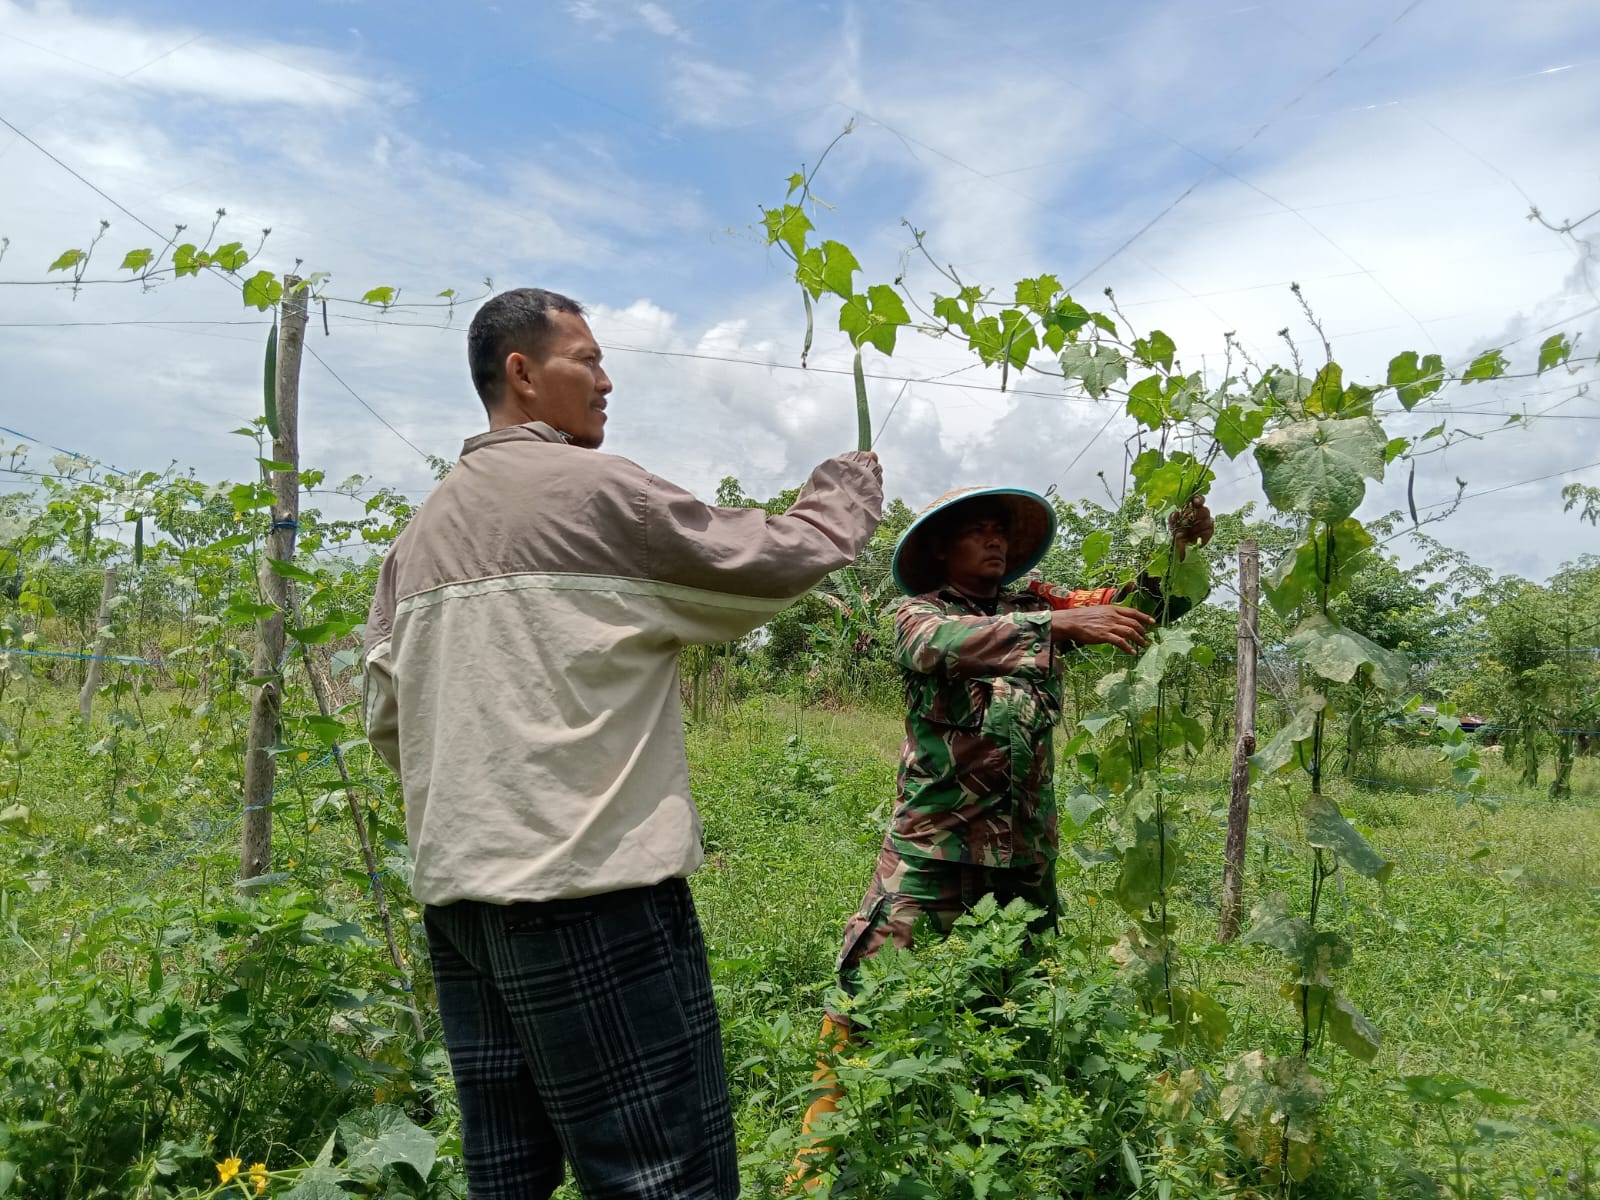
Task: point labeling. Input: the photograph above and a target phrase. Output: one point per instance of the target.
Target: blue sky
(1383, 154)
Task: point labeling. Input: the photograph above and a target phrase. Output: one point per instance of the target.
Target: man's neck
(975, 590)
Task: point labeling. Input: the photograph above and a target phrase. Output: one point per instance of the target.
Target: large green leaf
(1319, 467)
(1275, 755)
(1337, 653)
(1097, 366)
(1327, 829)
(382, 1137)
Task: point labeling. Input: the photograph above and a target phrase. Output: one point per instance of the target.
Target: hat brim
(1032, 530)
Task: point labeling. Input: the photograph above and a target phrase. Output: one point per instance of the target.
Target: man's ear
(518, 375)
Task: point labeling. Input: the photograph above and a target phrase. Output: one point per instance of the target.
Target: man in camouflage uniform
(983, 680)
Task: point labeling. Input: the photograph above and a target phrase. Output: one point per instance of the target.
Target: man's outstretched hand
(1101, 625)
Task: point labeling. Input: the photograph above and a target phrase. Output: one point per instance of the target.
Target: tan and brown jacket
(522, 657)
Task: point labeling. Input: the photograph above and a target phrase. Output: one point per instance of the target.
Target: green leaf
(1038, 294)
(1327, 391)
(379, 295)
(1131, 1161)
(1337, 653)
(8, 1176)
(262, 291)
(838, 267)
(796, 182)
(1327, 829)
(1272, 924)
(187, 260)
(1412, 381)
(1144, 402)
(1080, 806)
(1345, 1024)
(1338, 551)
(1491, 364)
(447, 294)
(1167, 646)
(1394, 448)
(875, 318)
(788, 225)
(382, 1137)
(287, 570)
(318, 1183)
(269, 382)
(1095, 547)
(324, 631)
(1148, 866)
(1319, 467)
(68, 260)
(1157, 349)
(1554, 351)
(136, 260)
(1017, 337)
(1275, 755)
(230, 257)
(1237, 428)
(1097, 366)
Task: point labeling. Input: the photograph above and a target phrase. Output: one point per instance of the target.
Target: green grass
(1480, 957)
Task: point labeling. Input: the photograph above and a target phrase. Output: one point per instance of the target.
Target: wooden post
(1244, 744)
(91, 678)
(260, 766)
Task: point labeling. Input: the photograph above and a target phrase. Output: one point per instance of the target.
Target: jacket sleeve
(725, 571)
(930, 641)
(380, 707)
(1058, 597)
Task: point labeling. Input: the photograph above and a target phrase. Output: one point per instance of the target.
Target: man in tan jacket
(521, 679)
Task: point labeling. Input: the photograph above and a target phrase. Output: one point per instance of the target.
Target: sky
(1196, 156)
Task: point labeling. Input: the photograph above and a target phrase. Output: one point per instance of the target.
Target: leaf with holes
(1337, 653)
(1272, 924)
(1320, 467)
(1097, 366)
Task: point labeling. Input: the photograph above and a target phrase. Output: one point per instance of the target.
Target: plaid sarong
(584, 1032)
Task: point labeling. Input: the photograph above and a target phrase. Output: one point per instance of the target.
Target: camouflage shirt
(982, 695)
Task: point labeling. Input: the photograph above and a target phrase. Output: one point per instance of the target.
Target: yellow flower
(228, 1168)
(258, 1175)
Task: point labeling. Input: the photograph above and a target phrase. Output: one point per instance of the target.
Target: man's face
(975, 554)
(568, 387)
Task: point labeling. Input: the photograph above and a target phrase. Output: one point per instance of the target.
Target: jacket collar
(536, 431)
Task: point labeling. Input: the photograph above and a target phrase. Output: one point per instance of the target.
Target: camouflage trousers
(905, 889)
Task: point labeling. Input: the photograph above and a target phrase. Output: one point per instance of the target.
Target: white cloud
(703, 93)
(51, 53)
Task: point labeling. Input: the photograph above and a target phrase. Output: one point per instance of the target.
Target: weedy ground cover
(159, 1024)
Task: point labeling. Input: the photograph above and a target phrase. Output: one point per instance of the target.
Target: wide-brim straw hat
(1031, 529)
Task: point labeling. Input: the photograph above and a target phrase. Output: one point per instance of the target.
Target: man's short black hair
(518, 320)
